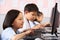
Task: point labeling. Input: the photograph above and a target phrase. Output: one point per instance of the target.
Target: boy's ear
(26, 12)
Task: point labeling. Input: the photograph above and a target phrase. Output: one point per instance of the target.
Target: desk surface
(44, 36)
(50, 37)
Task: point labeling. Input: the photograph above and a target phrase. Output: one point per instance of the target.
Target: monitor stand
(48, 36)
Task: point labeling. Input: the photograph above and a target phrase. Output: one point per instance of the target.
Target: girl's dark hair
(31, 7)
(39, 13)
(10, 17)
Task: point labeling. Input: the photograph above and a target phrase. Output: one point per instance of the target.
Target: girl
(13, 21)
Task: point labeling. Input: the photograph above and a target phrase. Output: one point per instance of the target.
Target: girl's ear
(12, 23)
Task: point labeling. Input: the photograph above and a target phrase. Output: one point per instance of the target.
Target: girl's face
(18, 22)
(40, 18)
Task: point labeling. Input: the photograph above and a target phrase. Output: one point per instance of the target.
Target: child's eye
(20, 19)
(32, 14)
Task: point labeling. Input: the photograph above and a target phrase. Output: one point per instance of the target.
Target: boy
(30, 14)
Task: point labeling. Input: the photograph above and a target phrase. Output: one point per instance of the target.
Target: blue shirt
(32, 24)
(7, 34)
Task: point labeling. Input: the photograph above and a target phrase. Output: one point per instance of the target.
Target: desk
(43, 35)
(50, 37)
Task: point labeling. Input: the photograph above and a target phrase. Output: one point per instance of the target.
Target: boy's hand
(47, 24)
(38, 26)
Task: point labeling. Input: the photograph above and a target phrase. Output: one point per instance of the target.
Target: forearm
(19, 36)
(39, 26)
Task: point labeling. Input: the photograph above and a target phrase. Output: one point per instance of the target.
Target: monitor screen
(54, 19)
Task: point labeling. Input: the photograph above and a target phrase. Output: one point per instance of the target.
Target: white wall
(2, 16)
(44, 6)
(58, 1)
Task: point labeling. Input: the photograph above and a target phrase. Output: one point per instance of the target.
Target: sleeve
(10, 35)
(7, 34)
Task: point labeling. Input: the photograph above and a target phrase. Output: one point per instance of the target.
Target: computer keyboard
(44, 35)
(37, 34)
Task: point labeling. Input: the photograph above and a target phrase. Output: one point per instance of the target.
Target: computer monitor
(54, 20)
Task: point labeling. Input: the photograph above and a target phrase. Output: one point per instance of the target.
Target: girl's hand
(29, 31)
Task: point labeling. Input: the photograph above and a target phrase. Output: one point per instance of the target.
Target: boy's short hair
(31, 7)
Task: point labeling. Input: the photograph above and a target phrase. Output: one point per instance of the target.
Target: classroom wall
(44, 6)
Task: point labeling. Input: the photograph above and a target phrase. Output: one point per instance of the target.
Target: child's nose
(22, 21)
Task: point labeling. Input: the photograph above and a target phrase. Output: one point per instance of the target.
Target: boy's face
(31, 15)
